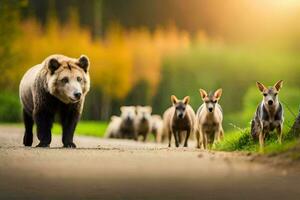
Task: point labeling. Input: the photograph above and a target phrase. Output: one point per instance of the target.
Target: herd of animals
(59, 85)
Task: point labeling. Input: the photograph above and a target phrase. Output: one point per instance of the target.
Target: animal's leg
(198, 139)
(261, 141)
(221, 134)
(155, 136)
(44, 121)
(170, 137)
(180, 135)
(28, 122)
(279, 133)
(216, 136)
(256, 128)
(69, 119)
(186, 138)
(176, 134)
(145, 137)
(204, 140)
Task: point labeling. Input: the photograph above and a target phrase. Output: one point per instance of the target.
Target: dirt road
(114, 169)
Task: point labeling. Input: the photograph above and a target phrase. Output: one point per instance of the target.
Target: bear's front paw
(41, 144)
(70, 145)
(27, 140)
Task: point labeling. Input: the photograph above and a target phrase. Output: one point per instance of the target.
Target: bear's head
(128, 114)
(67, 78)
(143, 113)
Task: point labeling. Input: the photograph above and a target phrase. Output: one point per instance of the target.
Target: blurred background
(141, 52)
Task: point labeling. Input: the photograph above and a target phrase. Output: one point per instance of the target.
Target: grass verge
(86, 128)
(242, 140)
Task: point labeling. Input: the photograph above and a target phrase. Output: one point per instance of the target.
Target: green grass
(86, 128)
(241, 140)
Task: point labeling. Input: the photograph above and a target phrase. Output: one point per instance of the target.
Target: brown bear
(56, 86)
(143, 121)
(128, 115)
(113, 128)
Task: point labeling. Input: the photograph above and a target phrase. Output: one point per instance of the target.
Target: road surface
(121, 169)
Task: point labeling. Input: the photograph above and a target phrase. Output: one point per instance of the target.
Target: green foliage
(10, 108)
(235, 70)
(8, 33)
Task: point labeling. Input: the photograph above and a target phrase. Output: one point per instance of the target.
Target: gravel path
(121, 169)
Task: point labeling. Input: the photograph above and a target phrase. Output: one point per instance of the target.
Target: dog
(209, 119)
(178, 118)
(269, 114)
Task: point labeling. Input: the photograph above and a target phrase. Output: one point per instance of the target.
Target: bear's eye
(65, 80)
(79, 79)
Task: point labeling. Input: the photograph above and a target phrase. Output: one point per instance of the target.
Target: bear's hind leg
(28, 122)
(69, 119)
(44, 121)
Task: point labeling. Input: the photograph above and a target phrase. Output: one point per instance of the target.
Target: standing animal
(269, 114)
(179, 118)
(113, 128)
(157, 127)
(143, 121)
(209, 119)
(128, 114)
(58, 85)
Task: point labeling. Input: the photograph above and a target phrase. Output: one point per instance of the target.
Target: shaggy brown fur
(58, 85)
(143, 121)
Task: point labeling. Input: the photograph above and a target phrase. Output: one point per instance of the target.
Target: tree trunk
(295, 130)
(97, 29)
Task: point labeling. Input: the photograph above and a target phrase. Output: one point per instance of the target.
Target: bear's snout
(77, 95)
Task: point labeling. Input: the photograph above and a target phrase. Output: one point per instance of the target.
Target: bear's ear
(149, 109)
(53, 65)
(84, 63)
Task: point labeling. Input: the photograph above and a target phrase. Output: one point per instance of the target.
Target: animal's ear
(53, 65)
(122, 108)
(218, 93)
(149, 108)
(84, 63)
(174, 99)
(260, 86)
(203, 93)
(186, 100)
(114, 117)
(278, 85)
